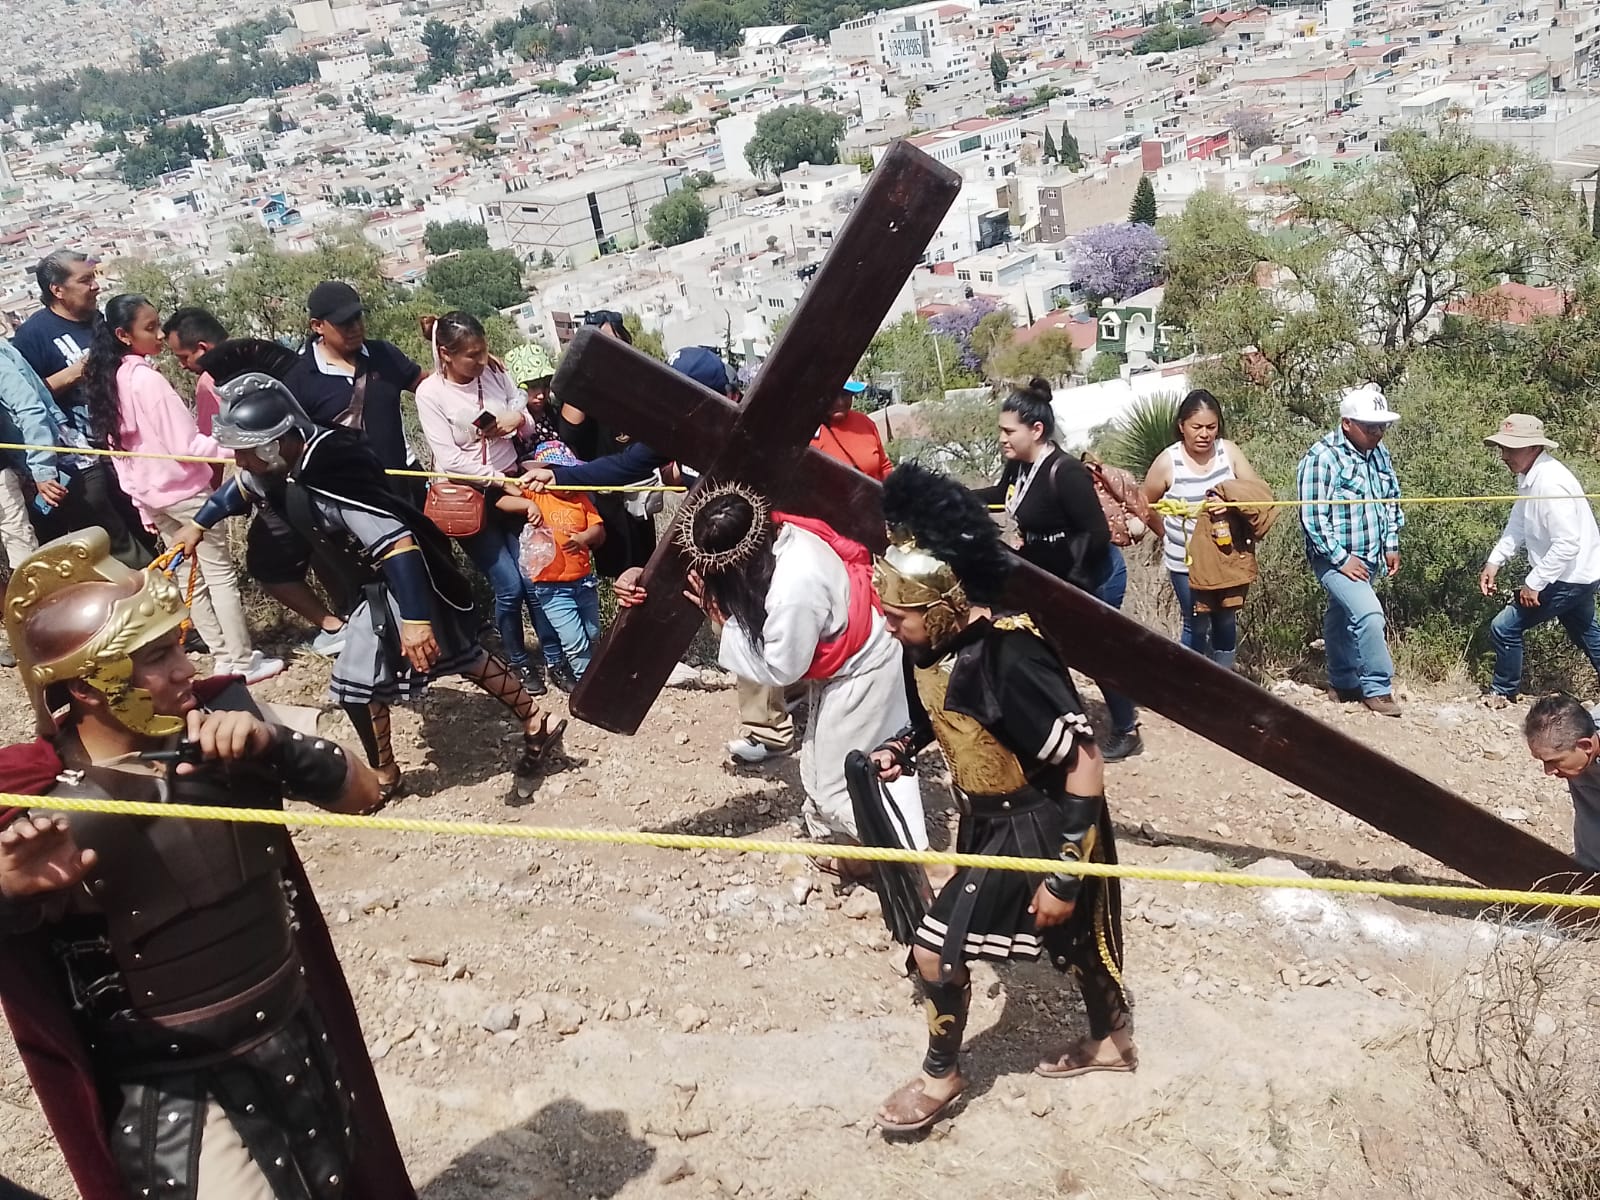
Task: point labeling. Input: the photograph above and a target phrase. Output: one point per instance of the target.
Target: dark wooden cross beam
(765, 443)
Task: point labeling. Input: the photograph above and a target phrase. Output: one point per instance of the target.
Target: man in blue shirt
(1350, 545)
(345, 378)
(75, 491)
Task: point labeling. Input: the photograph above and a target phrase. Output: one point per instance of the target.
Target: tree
(275, 121)
(647, 341)
(378, 122)
(1252, 127)
(960, 324)
(913, 100)
(454, 235)
(920, 362)
(1051, 153)
(327, 100)
(443, 44)
(480, 282)
(217, 151)
(677, 106)
(1049, 354)
(629, 138)
(1143, 209)
(710, 25)
(792, 134)
(1117, 261)
(993, 333)
(680, 217)
(546, 260)
(1441, 218)
(256, 160)
(1071, 156)
(1210, 248)
(999, 68)
(1594, 215)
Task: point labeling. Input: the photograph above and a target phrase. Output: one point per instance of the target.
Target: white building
(807, 184)
(578, 220)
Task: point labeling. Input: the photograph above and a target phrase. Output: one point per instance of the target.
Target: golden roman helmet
(74, 612)
(907, 576)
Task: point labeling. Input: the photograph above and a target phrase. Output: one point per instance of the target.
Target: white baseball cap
(1367, 405)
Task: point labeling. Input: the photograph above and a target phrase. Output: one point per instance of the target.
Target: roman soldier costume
(999, 702)
(189, 979)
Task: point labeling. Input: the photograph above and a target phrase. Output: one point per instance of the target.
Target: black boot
(561, 675)
(946, 1006)
(533, 678)
(1122, 745)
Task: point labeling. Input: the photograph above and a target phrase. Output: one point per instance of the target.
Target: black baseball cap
(333, 301)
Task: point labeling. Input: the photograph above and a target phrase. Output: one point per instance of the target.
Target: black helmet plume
(950, 523)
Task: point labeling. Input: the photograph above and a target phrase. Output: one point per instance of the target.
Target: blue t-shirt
(326, 397)
(51, 343)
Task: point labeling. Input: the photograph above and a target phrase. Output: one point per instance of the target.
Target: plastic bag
(536, 549)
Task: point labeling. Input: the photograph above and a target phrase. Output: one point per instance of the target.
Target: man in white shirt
(1563, 545)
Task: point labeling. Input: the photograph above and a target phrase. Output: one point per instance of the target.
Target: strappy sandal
(916, 1109)
(1077, 1060)
(845, 870)
(537, 747)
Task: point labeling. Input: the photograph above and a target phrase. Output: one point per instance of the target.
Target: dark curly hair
(741, 591)
(951, 524)
(106, 352)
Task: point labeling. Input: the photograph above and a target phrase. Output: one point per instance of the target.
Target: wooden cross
(765, 443)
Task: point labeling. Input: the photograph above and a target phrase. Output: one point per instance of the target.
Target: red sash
(833, 654)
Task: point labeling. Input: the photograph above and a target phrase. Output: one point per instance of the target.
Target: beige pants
(218, 610)
(16, 531)
(226, 1170)
(764, 716)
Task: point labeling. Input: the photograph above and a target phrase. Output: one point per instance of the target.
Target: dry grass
(1511, 1046)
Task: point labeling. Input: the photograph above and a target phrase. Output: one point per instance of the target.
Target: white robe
(861, 706)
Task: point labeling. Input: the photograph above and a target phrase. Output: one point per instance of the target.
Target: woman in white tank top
(1201, 459)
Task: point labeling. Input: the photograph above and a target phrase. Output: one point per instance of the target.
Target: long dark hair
(1031, 403)
(740, 591)
(106, 353)
(1198, 400)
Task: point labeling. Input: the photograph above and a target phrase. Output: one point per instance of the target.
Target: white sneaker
(751, 752)
(328, 643)
(254, 669)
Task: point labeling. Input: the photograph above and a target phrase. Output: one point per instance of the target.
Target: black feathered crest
(241, 356)
(950, 523)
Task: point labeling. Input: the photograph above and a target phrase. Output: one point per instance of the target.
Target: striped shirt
(1333, 469)
(1190, 483)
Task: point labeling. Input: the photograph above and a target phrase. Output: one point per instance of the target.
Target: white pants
(16, 531)
(218, 610)
(857, 712)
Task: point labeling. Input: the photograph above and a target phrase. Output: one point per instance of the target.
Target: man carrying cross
(795, 602)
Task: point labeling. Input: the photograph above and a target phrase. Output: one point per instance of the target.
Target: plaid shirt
(1334, 469)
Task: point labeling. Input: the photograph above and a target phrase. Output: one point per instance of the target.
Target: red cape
(832, 655)
(57, 1059)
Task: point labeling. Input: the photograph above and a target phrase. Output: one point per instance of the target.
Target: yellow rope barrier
(199, 458)
(684, 841)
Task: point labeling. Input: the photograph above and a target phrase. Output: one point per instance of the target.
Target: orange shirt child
(570, 516)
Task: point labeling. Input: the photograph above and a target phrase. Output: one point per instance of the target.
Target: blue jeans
(569, 621)
(493, 550)
(1352, 630)
(1124, 716)
(1212, 633)
(1570, 603)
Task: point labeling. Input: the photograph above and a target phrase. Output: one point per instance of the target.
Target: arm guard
(1078, 844)
(904, 746)
(309, 768)
(407, 576)
(229, 500)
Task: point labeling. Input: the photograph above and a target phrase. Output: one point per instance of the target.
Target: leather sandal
(912, 1110)
(1077, 1059)
(537, 747)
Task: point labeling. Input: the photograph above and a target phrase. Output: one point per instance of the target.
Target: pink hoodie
(154, 419)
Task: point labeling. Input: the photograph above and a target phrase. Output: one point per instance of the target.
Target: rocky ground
(562, 1022)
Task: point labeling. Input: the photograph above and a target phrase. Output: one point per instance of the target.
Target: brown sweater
(1219, 576)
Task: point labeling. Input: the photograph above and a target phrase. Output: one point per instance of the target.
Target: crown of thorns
(712, 561)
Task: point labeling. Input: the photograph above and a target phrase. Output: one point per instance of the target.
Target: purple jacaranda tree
(1116, 261)
(958, 323)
